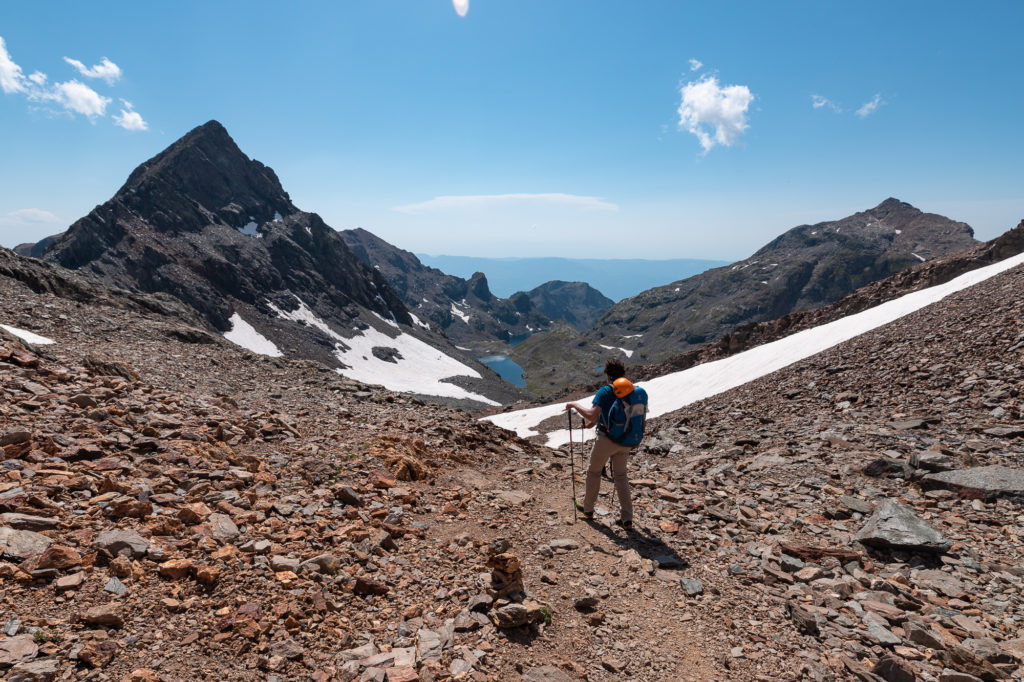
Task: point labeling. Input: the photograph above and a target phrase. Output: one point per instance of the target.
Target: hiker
(616, 436)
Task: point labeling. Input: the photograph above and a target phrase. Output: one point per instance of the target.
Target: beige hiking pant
(605, 449)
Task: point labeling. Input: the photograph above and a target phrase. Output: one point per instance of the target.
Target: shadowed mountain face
(576, 303)
(806, 267)
(464, 309)
(207, 224)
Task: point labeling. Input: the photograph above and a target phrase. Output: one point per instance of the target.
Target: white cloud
(445, 203)
(869, 108)
(73, 96)
(106, 69)
(130, 119)
(818, 101)
(76, 97)
(31, 215)
(461, 7)
(11, 78)
(696, 65)
(714, 114)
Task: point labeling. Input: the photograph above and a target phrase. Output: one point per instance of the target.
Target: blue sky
(528, 128)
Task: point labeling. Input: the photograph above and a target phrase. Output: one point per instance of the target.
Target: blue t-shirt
(604, 399)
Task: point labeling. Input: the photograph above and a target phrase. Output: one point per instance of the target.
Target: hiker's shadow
(645, 544)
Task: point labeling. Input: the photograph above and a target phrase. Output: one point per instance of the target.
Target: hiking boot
(628, 525)
(586, 514)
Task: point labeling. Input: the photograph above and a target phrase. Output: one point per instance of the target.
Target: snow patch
(459, 314)
(278, 218)
(420, 369)
(633, 336)
(679, 389)
(28, 337)
(242, 334)
(899, 231)
(249, 229)
(920, 258)
(417, 321)
(628, 352)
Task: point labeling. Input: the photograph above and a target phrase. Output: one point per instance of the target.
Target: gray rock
(429, 645)
(224, 529)
(115, 586)
(893, 525)
(324, 563)
(894, 669)
(692, 586)
(985, 483)
(17, 649)
(510, 616)
(122, 542)
(349, 496)
(284, 563)
(287, 648)
(28, 522)
(883, 634)
(18, 545)
(564, 544)
(42, 670)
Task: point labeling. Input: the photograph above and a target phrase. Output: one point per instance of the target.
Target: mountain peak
(206, 168)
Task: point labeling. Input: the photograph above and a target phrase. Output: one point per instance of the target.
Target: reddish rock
(58, 557)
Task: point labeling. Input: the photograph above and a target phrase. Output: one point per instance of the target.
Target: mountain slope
(204, 223)
(804, 268)
(464, 310)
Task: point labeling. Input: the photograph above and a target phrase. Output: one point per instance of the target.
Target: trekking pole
(572, 466)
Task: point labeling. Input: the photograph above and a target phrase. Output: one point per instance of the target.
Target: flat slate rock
(18, 545)
(988, 482)
(895, 526)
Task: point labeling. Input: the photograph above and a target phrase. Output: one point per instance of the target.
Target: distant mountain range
(616, 278)
(804, 268)
(465, 310)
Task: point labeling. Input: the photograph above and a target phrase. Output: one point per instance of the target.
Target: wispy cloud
(31, 215)
(819, 101)
(129, 119)
(476, 201)
(716, 115)
(870, 107)
(106, 69)
(70, 97)
(696, 65)
(461, 7)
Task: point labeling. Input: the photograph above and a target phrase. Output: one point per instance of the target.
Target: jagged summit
(219, 183)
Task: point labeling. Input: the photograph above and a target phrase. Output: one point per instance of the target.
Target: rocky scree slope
(173, 512)
(207, 225)
(464, 310)
(804, 268)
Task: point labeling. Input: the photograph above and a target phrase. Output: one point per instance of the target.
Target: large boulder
(986, 483)
(895, 526)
